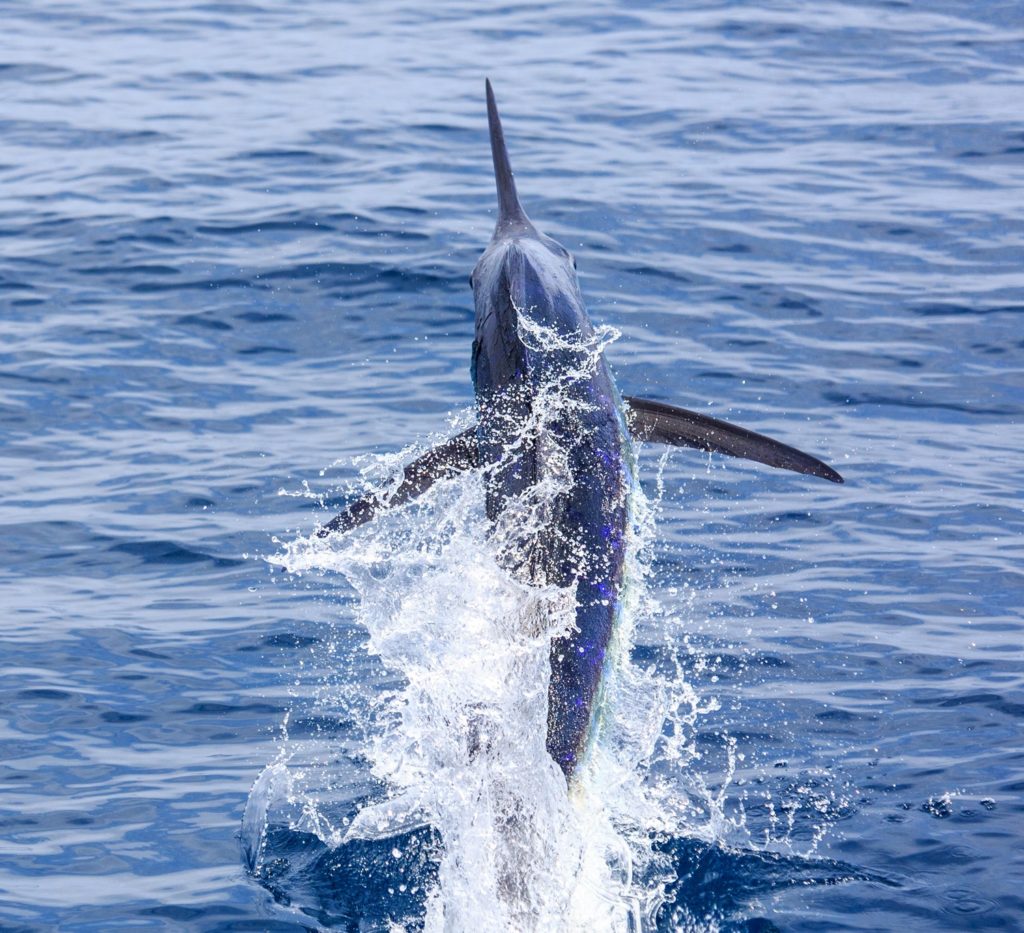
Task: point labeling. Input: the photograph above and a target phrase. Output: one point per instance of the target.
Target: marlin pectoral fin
(451, 458)
(656, 421)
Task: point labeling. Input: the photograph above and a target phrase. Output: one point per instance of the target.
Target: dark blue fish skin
(522, 278)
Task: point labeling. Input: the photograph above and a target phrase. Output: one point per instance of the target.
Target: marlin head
(523, 281)
(521, 271)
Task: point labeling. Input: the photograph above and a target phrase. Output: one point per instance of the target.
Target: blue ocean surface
(234, 247)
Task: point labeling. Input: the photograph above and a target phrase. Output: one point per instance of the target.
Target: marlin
(548, 408)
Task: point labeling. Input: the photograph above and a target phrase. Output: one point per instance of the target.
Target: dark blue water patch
(35, 73)
(263, 351)
(327, 273)
(289, 156)
(321, 727)
(913, 402)
(952, 309)
(263, 317)
(211, 284)
(67, 135)
(993, 701)
(270, 225)
(225, 710)
(363, 885)
(360, 885)
(197, 320)
(57, 549)
(289, 640)
(168, 552)
(118, 717)
(716, 886)
(13, 285)
(139, 270)
(32, 378)
(43, 693)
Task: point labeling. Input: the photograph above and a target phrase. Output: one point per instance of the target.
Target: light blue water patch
(234, 248)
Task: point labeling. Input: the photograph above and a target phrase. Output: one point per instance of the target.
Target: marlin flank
(525, 284)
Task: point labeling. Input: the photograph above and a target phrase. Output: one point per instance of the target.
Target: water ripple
(236, 238)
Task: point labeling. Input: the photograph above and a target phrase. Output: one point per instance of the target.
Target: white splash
(462, 745)
(459, 737)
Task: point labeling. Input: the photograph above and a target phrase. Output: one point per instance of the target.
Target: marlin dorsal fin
(510, 211)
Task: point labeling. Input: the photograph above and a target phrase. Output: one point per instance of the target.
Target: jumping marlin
(523, 285)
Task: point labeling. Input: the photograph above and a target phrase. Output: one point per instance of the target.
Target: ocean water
(234, 248)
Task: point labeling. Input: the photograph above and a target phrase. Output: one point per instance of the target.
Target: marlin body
(534, 341)
(549, 416)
